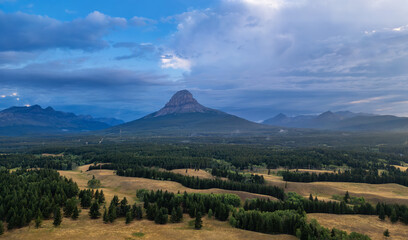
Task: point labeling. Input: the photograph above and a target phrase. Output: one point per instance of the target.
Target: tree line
(236, 176)
(359, 175)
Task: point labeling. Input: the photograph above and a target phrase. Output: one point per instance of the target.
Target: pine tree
(173, 217)
(210, 214)
(386, 233)
(75, 213)
(112, 213)
(94, 211)
(129, 217)
(139, 213)
(38, 219)
(57, 217)
(381, 213)
(347, 197)
(179, 211)
(105, 216)
(161, 216)
(198, 223)
(101, 198)
(394, 216)
(1, 228)
(310, 197)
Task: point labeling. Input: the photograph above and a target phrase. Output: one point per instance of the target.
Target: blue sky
(252, 58)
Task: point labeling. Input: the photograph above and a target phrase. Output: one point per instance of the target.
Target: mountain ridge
(342, 121)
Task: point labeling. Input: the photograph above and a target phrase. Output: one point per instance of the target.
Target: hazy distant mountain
(37, 120)
(344, 120)
(183, 115)
(110, 121)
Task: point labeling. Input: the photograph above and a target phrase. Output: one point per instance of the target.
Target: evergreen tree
(105, 216)
(347, 197)
(198, 223)
(94, 211)
(112, 213)
(101, 198)
(394, 216)
(179, 211)
(310, 197)
(386, 233)
(1, 228)
(139, 213)
(161, 216)
(381, 214)
(173, 217)
(38, 219)
(57, 217)
(75, 213)
(210, 213)
(129, 217)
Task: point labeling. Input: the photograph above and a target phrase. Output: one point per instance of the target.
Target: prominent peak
(182, 102)
(180, 98)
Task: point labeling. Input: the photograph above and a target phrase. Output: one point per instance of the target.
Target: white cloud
(172, 61)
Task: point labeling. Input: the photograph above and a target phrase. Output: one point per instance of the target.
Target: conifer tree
(139, 213)
(347, 197)
(394, 216)
(310, 197)
(129, 217)
(75, 213)
(198, 223)
(105, 216)
(1, 228)
(381, 214)
(94, 211)
(101, 198)
(173, 217)
(57, 217)
(210, 214)
(386, 233)
(38, 219)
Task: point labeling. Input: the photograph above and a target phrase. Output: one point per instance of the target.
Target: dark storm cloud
(26, 32)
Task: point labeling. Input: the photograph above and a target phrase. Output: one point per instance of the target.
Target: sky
(251, 58)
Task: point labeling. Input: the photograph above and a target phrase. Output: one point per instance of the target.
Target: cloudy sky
(252, 58)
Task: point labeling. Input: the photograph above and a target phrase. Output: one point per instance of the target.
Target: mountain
(183, 115)
(16, 121)
(343, 120)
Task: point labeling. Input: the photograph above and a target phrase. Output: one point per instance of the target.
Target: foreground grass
(369, 225)
(85, 228)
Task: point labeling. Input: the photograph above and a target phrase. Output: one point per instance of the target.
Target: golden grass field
(86, 228)
(191, 172)
(369, 225)
(127, 186)
(390, 193)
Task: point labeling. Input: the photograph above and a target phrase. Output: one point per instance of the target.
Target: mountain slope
(36, 120)
(183, 115)
(344, 121)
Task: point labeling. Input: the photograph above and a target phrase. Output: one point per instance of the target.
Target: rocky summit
(182, 102)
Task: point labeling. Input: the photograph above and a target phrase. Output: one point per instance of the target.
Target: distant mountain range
(183, 115)
(342, 121)
(16, 121)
